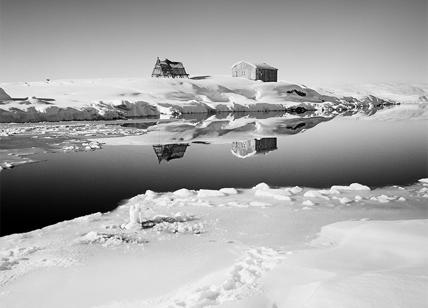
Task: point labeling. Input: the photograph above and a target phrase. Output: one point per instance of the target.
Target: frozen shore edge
(110, 99)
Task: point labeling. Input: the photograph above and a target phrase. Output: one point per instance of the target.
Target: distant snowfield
(95, 99)
(347, 246)
(399, 92)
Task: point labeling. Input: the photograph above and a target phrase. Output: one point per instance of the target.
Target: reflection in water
(168, 152)
(241, 149)
(338, 151)
(246, 131)
(248, 128)
(297, 125)
(247, 135)
(248, 148)
(140, 125)
(326, 112)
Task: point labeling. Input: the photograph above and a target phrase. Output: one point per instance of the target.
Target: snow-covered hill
(93, 99)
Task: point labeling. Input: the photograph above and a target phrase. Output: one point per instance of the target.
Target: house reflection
(168, 152)
(248, 148)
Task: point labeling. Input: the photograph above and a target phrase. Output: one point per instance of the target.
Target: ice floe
(383, 198)
(353, 186)
(308, 203)
(204, 193)
(261, 186)
(229, 191)
(183, 192)
(277, 194)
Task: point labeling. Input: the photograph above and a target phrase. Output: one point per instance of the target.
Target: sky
(309, 41)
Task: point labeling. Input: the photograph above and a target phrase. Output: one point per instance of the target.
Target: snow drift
(356, 264)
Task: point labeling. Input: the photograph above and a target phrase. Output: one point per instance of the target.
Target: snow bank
(109, 239)
(123, 98)
(356, 264)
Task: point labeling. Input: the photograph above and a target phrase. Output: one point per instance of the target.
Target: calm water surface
(341, 151)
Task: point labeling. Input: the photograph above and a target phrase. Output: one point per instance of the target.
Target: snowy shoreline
(109, 99)
(239, 247)
(77, 136)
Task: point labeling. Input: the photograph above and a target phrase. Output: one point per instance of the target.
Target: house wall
(267, 75)
(266, 144)
(157, 71)
(244, 70)
(245, 148)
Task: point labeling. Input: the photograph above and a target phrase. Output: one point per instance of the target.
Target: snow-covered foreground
(356, 264)
(346, 246)
(95, 99)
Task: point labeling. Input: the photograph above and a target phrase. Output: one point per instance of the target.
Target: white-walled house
(255, 71)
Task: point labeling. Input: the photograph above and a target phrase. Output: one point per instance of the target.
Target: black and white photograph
(213, 153)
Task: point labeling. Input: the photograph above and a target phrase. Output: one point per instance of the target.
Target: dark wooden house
(168, 152)
(255, 71)
(169, 69)
(4, 96)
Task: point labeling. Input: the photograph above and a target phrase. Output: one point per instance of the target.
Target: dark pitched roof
(167, 67)
(3, 95)
(170, 151)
